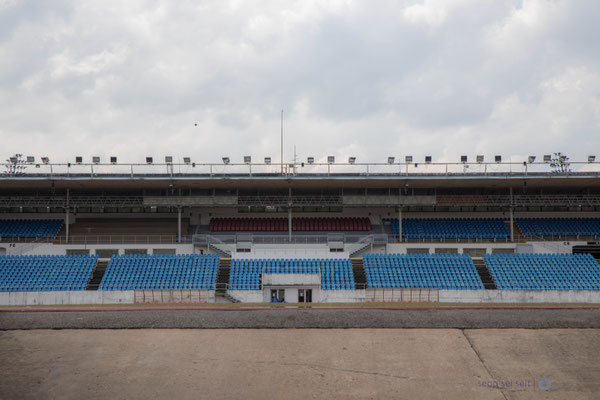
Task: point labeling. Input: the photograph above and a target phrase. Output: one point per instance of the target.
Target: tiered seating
(451, 228)
(441, 271)
(29, 228)
(559, 226)
(281, 224)
(544, 271)
(331, 224)
(336, 274)
(132, 272)
(45, 273)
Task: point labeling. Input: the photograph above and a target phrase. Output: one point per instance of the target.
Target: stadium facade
(303, 232)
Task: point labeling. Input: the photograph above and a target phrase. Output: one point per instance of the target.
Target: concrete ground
(300, 364)
(302, 318)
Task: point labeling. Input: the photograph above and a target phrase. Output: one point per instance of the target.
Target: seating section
(132, 272)
(29, 228)
(440, 271)
(281, 224)
(544, 271)
(451, 228)
(336, 274)
(559, 226)
(45, 273)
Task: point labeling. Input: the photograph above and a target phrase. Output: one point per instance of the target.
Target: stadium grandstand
(334, 232)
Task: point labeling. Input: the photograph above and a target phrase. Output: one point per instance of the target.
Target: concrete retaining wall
(66, 297)
(342, 296)
(247, 296)
(402, 295)
(175, 296)
(519, 296)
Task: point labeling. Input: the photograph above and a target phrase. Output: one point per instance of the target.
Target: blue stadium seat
(45, 273)
(29, 228)
(451, 228)
(544, 271)
(438, 271)
(336, 274)
(559, 226)
(141, 271)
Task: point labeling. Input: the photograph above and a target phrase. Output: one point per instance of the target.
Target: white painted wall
(247, 296)
(342, 296)
(400, 248)
(301, 251)
(82, 297)
(519, 296)
(61, 249)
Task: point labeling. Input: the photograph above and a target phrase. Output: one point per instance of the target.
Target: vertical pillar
(512, 228)
(400, 224)
(290, 223)
(67, 219)
(67, 224)
(290, 214)
(179, 224)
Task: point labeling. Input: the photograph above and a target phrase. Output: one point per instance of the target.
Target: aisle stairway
(221, 294)
(484, 274)
(358, 270)
(97, 275)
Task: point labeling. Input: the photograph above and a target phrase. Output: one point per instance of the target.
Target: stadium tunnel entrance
(291, 288)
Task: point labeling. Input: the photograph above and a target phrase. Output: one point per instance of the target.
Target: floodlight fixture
(45, 160)
(13, 160)
(480, 158)
(547, 158)
(168, 159)
(427, 159)
(330, 159)
(463, 159)
(310, 160)
(267, 160)
(113, 159)
(391, 160)
(591, 158)
(149, 160)
(247, 159)
(531, 159)
(408, 159)
(498, 159)
(351, 160)
(31, 159)
(225, 160)
(78, 160)
(96, 160)
(187, 160)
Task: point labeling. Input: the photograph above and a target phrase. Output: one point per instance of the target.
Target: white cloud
(355, 78)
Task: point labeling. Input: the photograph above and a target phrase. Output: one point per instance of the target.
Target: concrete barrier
(402, 295)
(519, 296)
(247, 296)
(174, 296)
(66, 297)
(342, 296)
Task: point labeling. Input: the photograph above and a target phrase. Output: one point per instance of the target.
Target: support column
(67, 219)
(67, 224)
(512, 227)
(178, 224)
(400, 224)
(290, 223)
(290, 214)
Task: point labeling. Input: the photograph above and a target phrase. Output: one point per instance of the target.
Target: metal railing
(120, 239)
(177, 170)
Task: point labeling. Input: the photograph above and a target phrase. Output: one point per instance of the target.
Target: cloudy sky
(363, 78)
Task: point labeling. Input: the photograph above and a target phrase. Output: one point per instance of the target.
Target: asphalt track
(475, 318)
